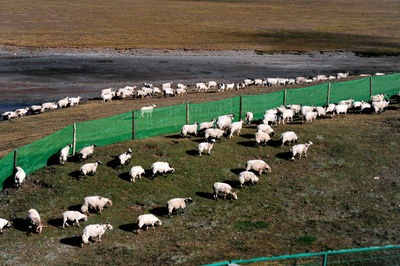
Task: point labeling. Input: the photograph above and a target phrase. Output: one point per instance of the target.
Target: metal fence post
(133, 125)
(74, 140)
(240, 108)
(187, 114)
(284, 97)
(329, 93)
(325, 258)
(370, 86)
(15, 159)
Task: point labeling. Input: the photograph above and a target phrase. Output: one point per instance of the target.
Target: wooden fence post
(133, 125)
(15, 159)
(240, 108)
(329, 93)
(370, 86)
(284, 97)
(187, 114)
(74, 140)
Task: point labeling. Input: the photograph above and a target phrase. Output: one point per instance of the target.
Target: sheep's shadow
(193, 152)
(114, 163)
(247, 136)
(237, 171)
(274, 143)
(128, 227)
(232, 183)
(58, 222)
(76, 175)
(159, 211)
(20, 224)
(9, 182)
(74, 241)
(175, 136)
(54, 159)
(74, 158)
(125, 176)
(75, 208)
(247, 143)
(205, 195)
(284, 155)
(199, 140)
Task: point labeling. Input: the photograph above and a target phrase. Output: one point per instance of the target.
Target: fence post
(133, 125)
(284, 97)
(325, 258)
(187, 114)
(370, 86)
(74, 140)
(240, 108)
(329, 93)
(15, 159)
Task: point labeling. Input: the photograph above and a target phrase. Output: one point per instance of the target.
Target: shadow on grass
(74, 159)
(128, 227)
(194, 153)
(233, 183)
(125, 176)
(247, 143)
(75, 208)
(176, 136)
(114, 163)
(58, 222)
(205, 195)
(237, 171)
(159, 211)
(54, 159)
(276, 143)
(199, 140)
(20, 224)
(74, 241)
(247, 136)
(284, 155)
(9, 182)
(76, 175)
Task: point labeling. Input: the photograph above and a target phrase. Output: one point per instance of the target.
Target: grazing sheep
(4, 223)
(74, 217)
(310, 116)
(240, 85)
(224, 188)
(201, 86)
(295, 107)
(64, 154)
(86, 152)
(248, 82)
(221, 86)
(147, 220)
(36, 109)
(206, 146)
(166, 85)
(22, 111)
(291, 82)
(305, 109)
(258, 166)
(270, 117)
(380, 106)
(378, 97)
(365, 106)
(49, 106)
(261, 138)
(272, 82)
(19, 177)
(94, 231)
(300, 80)
(282, 81)
(126, 157)
(247, 176)
(205, 125)
(224, 121)
(341, 109)
(349, 102)
(90, 168)
(176, 204)
(342, 75)
(215, 133)
(147, 110)
(357, 104)
(168, 92)
(189, 129)
(107, 97)
(330, 109)
(94, 202)
(266, 129)
(331, 77)
(105, 91)
(136, 171)
(212, 84)
(181, 86)
(156, 90)
(180, 91)
(299, 149)
(235, 127)
(74, 101)
(161, 168)
(321, 77)
(321, 111)
(33, 221)
(249, 117)
(286, 115)
(63, 102)
(288, 136)
(259, 82)
(230, 86)
(122, 93)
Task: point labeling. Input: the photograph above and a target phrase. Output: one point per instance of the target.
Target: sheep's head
(109, 226)
(85, 218)
(8, 224)
(172, 170)
(235, 197)
(69, 145)
(309, 143)
(39, 229)
(84, 209)
(109, 202)
(94, 145)
(129, 150)
(99, 162)
(158, 223)
(188, 199)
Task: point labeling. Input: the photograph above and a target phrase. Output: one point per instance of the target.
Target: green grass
(331, 195)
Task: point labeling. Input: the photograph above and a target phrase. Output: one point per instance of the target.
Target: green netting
(104, 131)
(258, 104)
(315, 95)
(159, 121)
(357, 89)
(204, 112)
(6, 168)
(389, 84)
(36, 155)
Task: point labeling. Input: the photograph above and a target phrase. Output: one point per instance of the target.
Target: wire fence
(165, 120)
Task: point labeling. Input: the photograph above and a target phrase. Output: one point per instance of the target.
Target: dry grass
(270, 25)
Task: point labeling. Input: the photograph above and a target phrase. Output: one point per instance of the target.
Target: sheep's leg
(154, 229)
(305, 154)
(77, 222)
(100, 211)
(224, 196)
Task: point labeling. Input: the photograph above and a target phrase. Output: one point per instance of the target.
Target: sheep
(331, 77)
(379, 74)
(272, 82)
(282, 81)
(74, 101)
(89, 168)
(299, 149)
(136, 171)
(248, 82)
(189, 129)
(300, 80)
(180, 91)
(212, 84)
(310, 116)
(321, 77)
(261, 137)
(221, 86)
(156, 90)
(166, 85)
(86, 152)
(266, 129)
(168, 92)
(240, 85)
(365, 106)
(230, 86)
(64, 154)
(181, 86)
(125, 158)
(249, 117)
(4, 223)
(235, 127)
(347, 102)
(204, 125)
(321, 111)
(147, 220)
(247, 176)
(286, 115)
(63, 102)
(308, 80)
(288, 136)
(378, 97)
(105, 91)
(357, 104)
(141, 94)
(331, 108)
(95, 202)
(74, 217)
(19, 176)
(49, 106)
(270, 117)
(305, 109)
(147, 110)
(380, 106)
(224, 188)
(33, 221)
(122, 93)
(224, 121)
(341, 109)
(94, 231)
(291, 82)
(215, 133)
(22, 111)
(107, 97)
(259, 82)
(201, 86)
(206, 146)
(161, 167)
(36, 109)
(258, 166)
(176, 204)
(342, 75)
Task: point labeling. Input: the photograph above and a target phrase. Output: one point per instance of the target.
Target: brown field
(268, 25)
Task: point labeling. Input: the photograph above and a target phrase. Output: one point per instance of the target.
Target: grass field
(327, 201)
(267, 25)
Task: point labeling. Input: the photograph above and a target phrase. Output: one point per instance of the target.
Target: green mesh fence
(204, 112)
(159, 121)
(315, 95)
(104, 131)
(389, 84)
(6, 168)
(258, 104)
(38, 154)
(357, 89)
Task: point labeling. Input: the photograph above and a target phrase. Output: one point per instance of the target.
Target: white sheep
(22, 111)
(357, 104)
(341, 109)
(365, 106)
(147, 220)
(321, 111)
(136, 172)
(181, 86)
(94, 231)
(378, 97)
(36, 109)
(224, 121)
(74, 101)
(20, 176)
(288, 136)
(74, 217)
(168, 92)
(300, 80)
(4, 223)
(331, 77)
(321, 77)
(215, 133)
(105, 91)
(235, 127)
(33, 221)
(147, 110)
(49, 106)
(261, 137)
(310, 116)
(64, 154)
(205, 125)
(305, 109)
(94, 202)
(230, 86)
(349, 102)
(156, 90)
(331, 108)
(224, 188)
(272, 82)
(63, 102)
(176, 204)
(201, 86)
(291, 82)
(206, 146)
(247, 176)
(221, 86)
(89, 168)
(266, 129)
(342, 75)
(249, 117)
(299, 149)
(282, 81)
(166, 85)
(240, 85)
(180, 91)
(259, 82)
(189, 129)
(125, 158)
(248, 81)
(212, 84)
(258, 166)
(107, 97)
(286, 115)
(270, 117)
(161, 168)
(380, 106)
(86, 152)
(295, 107)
